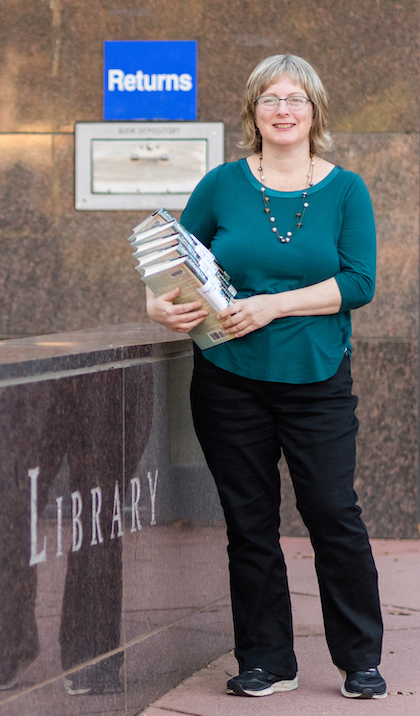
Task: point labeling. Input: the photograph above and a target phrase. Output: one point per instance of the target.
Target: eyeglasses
(294, 102)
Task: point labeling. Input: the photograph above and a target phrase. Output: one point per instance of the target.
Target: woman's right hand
(180, 317)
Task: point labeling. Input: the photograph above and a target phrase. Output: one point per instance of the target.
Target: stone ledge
(38, 355)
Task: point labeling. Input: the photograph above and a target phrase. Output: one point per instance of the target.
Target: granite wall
(114, 579)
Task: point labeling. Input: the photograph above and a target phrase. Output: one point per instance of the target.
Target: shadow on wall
(82, 418)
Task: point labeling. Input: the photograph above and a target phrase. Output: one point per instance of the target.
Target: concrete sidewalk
(398, 562)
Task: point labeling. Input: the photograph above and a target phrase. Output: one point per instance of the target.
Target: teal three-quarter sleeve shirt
(337, 239)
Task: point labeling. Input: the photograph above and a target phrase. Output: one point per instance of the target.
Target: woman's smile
(283, 125)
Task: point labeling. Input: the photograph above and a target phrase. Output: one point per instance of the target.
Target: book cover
(173, 252)
(156, 245)
(166, 276)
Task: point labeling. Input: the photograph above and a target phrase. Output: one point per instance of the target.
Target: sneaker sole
(10, 684)
(68, 685)
(289, 685)
(365, 694)
(78, 692)
(21, 668)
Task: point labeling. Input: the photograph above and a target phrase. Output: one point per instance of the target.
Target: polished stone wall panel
(30, 258)
(32, 358)
(26, 66)
(149, 673)
(51, 699)
(60, 268)
(386, 381)
(388, 163)
(138, 567)
(185, 492)
(171, 572)
(80, 421)
(348, 44)
(47, 49)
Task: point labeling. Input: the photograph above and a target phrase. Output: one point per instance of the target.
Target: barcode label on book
(216, 336)
(177, 273)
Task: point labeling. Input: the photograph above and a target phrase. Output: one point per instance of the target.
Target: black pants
(242, 425)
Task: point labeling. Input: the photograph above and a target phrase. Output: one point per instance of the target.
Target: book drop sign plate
(147, 79)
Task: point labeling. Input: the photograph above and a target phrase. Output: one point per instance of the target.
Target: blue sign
(150, 80)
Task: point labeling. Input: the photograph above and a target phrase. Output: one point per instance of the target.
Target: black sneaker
(81, 682)
(8, 677)
(100, 678)
(10, 671)
(258, 682)
(363, 684)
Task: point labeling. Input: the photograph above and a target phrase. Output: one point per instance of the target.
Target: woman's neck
(284, 170)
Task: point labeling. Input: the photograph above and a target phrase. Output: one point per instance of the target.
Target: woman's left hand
(248, 314)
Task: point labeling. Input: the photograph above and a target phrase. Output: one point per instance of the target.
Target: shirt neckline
(286, 194)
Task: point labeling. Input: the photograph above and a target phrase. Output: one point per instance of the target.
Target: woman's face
(283, 126)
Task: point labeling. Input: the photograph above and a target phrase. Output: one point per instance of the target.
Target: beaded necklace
(303, 205)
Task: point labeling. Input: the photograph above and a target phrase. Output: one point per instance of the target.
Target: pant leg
(92, 599)
(319, 446)
(238, 435)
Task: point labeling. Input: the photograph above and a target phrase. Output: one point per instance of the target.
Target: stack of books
(168, 257)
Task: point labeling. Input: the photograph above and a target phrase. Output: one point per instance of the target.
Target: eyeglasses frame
(283, 99)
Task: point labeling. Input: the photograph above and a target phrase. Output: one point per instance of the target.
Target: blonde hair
(300, 71)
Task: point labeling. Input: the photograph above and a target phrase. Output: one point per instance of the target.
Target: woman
(297, 236)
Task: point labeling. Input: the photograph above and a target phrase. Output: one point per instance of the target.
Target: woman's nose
(282, 107)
